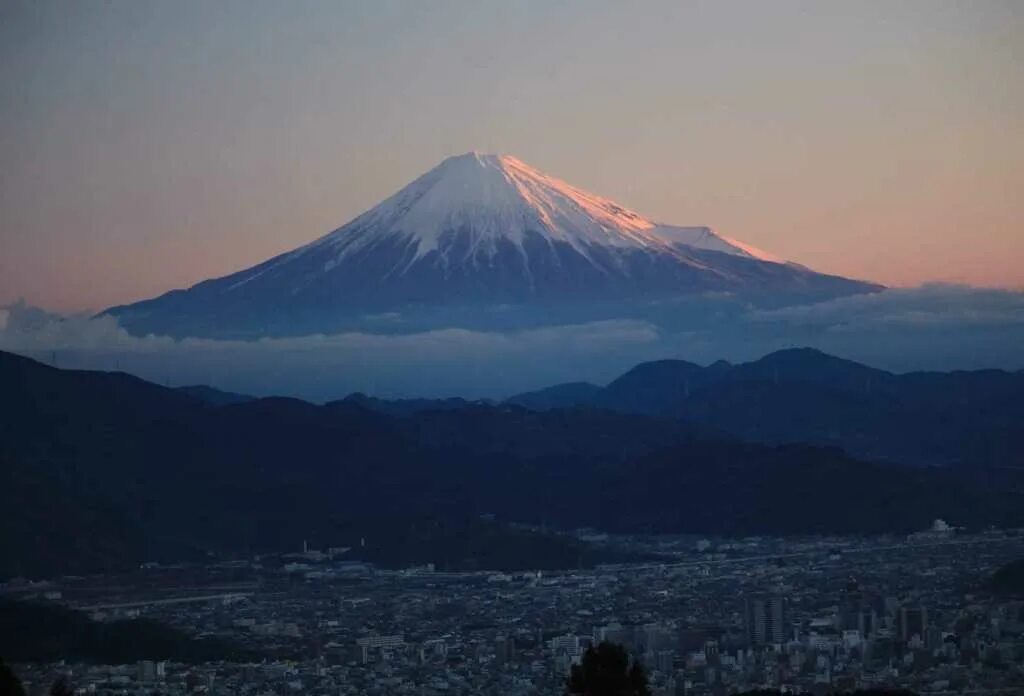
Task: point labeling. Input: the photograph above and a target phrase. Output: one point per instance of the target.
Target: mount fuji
(476, 240)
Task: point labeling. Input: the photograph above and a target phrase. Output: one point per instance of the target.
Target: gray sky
(149, 145)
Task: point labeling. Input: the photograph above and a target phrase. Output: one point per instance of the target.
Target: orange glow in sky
(150, 145)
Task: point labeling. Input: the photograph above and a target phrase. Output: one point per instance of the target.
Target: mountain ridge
(142, 472)
(973, 418)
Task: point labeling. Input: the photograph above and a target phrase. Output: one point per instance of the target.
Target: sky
(150, 145)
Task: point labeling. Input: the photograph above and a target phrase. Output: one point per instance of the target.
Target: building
(664, 661)
(766, 619)
(567, 643)
(505, 650)
(712, 652)
(367, 644)
(435, 650)
(374, 642)
(913, 621)
(567, 650)
(867, 622)
(146, 671)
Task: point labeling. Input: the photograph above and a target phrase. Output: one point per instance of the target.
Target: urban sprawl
(711, 616)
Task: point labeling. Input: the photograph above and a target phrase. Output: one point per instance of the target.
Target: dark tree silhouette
(9, 683)
(606, 671)
(61, 688)
(1009, 579)
(857, 692)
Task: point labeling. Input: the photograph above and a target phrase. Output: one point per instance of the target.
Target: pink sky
(148, 146)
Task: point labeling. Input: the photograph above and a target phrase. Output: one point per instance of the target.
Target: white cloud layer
(931, 327)
(443, 361)
(928, 305)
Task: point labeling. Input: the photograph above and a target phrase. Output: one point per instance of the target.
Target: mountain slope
(215, 397)
(803, 395)
(477, 231)
(559, 396)
(99, 471)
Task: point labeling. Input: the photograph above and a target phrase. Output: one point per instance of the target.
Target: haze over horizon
(152, 145)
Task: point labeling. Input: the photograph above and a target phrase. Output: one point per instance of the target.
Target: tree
(606, 671)
(9, 683)
(61, 688)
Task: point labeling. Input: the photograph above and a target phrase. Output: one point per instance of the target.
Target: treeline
(1009, 579)
(856, 692)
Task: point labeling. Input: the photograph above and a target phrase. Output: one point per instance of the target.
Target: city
(718, 616)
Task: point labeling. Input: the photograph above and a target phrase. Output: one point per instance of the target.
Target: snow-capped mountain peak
(499, 197)
(474, 236)
(494, 197)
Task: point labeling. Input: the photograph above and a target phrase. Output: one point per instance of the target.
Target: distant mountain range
(479, 240)
(963, 418)
(100, 470)
(971, 418)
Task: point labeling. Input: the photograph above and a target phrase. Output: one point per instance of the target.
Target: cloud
(928, 305)
(938, 327)
(443, 361)
(932, 327)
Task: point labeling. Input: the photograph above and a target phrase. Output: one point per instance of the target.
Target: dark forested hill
(215, 397)
(32, 632)
(802, 395)
(99, 470)
(1009, 579)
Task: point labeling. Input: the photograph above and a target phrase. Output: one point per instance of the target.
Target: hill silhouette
(803, 395)
(103, 470)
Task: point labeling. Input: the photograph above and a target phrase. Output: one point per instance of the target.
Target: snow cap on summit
(476, 232)
(499, 196)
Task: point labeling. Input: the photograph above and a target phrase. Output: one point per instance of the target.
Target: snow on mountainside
(477, 230)
(705, 238)
(498, 196)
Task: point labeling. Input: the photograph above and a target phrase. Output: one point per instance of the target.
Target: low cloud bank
(931, 327)
(448, 361)
(928, 305)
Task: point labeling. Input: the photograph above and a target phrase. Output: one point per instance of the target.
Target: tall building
(868, 622)
(505, 650)
(664, 661)
(856, 612)
(913, 621)
(146, 671)
(766, 619)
